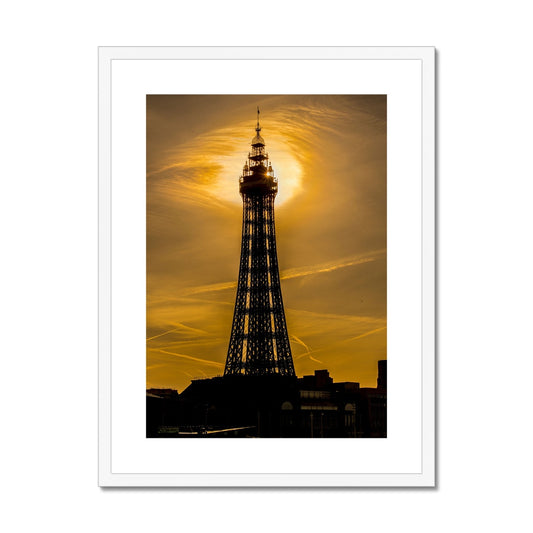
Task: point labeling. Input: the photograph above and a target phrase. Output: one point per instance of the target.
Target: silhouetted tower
(259, 343)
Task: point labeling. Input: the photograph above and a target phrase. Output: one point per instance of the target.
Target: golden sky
(329, 154)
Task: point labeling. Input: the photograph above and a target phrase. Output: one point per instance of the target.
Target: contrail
(179, 326)
(161, 334)
(293, 272)
(197, 359)
(366, 334)
(319, 269)
(301, 342)
(183, 326)
(209, 288)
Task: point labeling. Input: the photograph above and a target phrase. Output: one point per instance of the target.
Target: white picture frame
(407, 456)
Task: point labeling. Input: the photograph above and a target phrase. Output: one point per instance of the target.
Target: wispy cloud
(153, 367)
(213, 287)
(161, 334)
(331, 333)
(298, 272)
(191, 358)
(201, 171)
(307, 353)
(179, 327)
(371, 332)
(331, 266)
(301, 342)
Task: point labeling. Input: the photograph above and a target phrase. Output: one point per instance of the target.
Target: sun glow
(287, 170)
(207, 168)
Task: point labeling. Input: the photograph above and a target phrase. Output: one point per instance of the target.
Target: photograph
(266, 266)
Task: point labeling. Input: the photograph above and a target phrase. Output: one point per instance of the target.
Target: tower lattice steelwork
(259, 342)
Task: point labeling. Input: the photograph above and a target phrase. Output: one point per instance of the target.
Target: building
(324, 408)
(162, 410)
(312, 406)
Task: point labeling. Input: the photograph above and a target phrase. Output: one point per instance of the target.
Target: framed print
(266, 266)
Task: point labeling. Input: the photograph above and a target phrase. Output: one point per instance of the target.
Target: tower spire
(258, 127)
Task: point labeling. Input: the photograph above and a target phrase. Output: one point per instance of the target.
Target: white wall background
(48, 213)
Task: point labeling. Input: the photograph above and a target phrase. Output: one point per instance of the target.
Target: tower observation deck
(259, 342)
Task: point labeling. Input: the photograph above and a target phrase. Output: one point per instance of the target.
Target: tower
(259, 342)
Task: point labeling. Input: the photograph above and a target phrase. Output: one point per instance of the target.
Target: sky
(329, 154)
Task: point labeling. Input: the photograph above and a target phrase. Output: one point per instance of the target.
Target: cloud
(301, 342)
(191, 358)
(310, 270)
(203, 169)
(161, 334)
(212, 287)
(366, 334)
(333, 334)
(307, 353)
(330, 266)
